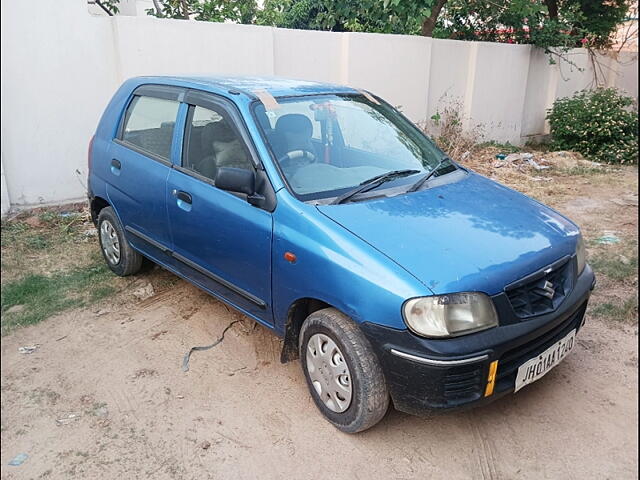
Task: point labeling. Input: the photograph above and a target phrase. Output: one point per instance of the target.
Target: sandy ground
(104, 396)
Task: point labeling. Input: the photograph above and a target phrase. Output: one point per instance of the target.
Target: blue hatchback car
(395, 274)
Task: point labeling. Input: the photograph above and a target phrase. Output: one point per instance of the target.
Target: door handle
(184, 196)
(183, 199)
(115, 166)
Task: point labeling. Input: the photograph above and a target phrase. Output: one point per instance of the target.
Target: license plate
(539, 366)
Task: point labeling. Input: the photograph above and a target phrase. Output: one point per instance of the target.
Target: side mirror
(236, 180)
(239, 180)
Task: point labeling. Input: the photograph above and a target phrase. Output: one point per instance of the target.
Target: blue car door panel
(141, 205)
(139, 164)
(219, 236)
(224, 238)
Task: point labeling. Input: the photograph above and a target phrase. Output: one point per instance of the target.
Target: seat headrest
(295, 123)
(219, 131)
(206, 137)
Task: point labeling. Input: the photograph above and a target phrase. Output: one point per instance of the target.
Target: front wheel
(342, 371)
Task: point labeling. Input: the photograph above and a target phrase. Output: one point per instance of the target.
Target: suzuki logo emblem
(548, 290)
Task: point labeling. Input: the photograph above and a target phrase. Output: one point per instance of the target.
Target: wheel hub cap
(110, 243)
(329, 373)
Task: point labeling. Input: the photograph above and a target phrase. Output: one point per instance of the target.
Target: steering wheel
(286, 160)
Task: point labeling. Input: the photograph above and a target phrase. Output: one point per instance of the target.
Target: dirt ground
(104, 396)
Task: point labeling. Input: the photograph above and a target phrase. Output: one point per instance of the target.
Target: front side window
(212, 141)
(326, 145)
(149, 124)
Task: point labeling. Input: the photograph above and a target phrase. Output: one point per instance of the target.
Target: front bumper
(426, 375)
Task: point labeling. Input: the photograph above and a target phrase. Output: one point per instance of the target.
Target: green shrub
(601, 124)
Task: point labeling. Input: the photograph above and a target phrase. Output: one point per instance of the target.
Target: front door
(219, 238)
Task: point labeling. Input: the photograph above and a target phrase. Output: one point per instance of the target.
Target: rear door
(140, 162)
(218, 235)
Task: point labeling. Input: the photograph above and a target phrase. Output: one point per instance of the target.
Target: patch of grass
(11, 231)
(48, 225)
(46, 239)
(625, 311)
(503, 147)
(36, 242)
(616, 267)
(43, 296)
(53, 240)
(100, 292)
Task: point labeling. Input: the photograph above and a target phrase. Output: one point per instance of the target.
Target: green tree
(239, 11)
(381, 16)
(110, 7)
(544, 23)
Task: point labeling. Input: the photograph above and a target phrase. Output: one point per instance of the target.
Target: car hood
(470, 235)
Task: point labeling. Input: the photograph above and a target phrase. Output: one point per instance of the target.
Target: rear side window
(149, 124)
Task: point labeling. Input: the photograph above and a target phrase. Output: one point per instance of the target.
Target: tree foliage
(378, 16)
(544, 23)
(110, 7)
(238, 11)
(383, 16)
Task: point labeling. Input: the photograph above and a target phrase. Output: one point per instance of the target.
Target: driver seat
(293, 132)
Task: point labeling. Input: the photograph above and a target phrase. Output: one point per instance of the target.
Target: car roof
(248, 85)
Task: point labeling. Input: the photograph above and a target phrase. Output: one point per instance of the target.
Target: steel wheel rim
(110, 242)
(329, 373)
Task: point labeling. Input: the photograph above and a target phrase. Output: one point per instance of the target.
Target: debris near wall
(493, 162)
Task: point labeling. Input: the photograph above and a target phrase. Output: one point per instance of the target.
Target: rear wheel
(120, 257)
(342, 371)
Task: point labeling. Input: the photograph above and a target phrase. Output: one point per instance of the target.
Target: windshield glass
(327, 145)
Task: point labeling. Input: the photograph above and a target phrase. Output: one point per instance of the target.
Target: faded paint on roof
(276, 86)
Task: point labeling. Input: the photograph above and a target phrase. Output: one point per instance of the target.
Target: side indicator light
(491, 378)
(290, 257)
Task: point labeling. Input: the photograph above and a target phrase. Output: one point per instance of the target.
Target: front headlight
(450, 315)
(581, 254)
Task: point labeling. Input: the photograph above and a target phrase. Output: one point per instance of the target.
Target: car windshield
(328, 145)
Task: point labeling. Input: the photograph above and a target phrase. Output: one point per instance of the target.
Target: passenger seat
(206, 165)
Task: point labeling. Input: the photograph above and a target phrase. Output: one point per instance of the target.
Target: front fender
(334, 266)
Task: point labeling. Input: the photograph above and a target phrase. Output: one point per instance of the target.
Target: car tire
(120, 257)
(368, 394)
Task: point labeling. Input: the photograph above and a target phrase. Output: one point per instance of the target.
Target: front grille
(512, 359)
(543, 291)
(463, 384)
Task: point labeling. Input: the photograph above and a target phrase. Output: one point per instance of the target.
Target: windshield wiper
(419, 183)
(372, 183)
